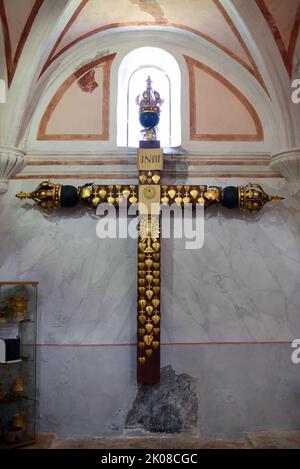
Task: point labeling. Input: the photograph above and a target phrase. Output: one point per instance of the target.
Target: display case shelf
(18, 332)
(12, 400)
(26, 441)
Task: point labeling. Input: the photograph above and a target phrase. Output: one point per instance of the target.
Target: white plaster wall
(243, 286)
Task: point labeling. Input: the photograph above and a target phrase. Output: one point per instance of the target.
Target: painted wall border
(191, 64)
(42, 131)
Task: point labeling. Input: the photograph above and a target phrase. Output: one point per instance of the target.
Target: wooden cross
(149, 191)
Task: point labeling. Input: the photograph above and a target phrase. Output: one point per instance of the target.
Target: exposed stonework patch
(168, 407)
(87, 82)
(152, 7)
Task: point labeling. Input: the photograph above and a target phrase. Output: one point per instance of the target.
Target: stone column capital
(12, 161)
(287, 163)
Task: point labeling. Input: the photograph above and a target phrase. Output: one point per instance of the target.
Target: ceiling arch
(207, 19)
(125, 41)
(284, 23)
(16, 29)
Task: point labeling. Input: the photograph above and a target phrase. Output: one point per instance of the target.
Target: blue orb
(149, 119)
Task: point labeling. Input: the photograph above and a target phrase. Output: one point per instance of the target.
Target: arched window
(165, 75)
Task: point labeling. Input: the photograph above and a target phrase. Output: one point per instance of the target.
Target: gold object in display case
(18, 421)
(2, 392)
(17, 388)
(18, 364)
(18, 308)
(3, 311)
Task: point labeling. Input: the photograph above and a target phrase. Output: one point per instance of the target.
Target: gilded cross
(149, 191)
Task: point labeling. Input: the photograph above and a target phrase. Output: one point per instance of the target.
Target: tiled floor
(263, 440)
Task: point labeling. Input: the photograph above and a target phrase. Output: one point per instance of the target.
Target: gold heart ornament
(143, 178)
(149, 328)
(149, 294)
(148, 263)
(148, 339)
(155, 344)
(172, 193)
(149, 278)
(102, 193)
(133, 200)
(156, 319)
(149, 310)
(148, 353)
(142, 246)
(126, 193)
(194, 193)
(95, 201)
(142, 360)
(156, 246)
(142, 318)
(156, 178)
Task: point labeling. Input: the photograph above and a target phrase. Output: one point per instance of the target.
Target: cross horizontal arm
(49, 195)
(111, 194)
(250, 197)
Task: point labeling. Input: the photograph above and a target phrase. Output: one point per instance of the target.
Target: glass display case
(18, 332)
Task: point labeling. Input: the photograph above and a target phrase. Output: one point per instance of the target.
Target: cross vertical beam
(150, 163)
(148, 305)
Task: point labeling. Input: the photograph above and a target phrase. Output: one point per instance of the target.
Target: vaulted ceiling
(227, 26)
(205, 18)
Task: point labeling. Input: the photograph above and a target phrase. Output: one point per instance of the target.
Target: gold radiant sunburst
(149, 227)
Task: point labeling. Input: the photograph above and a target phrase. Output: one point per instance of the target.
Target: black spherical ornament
(230, 197)
(69, 196)
(149, 119)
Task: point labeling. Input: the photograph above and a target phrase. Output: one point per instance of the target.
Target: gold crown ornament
(253, 197)
(149, 103)
(49, 195)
